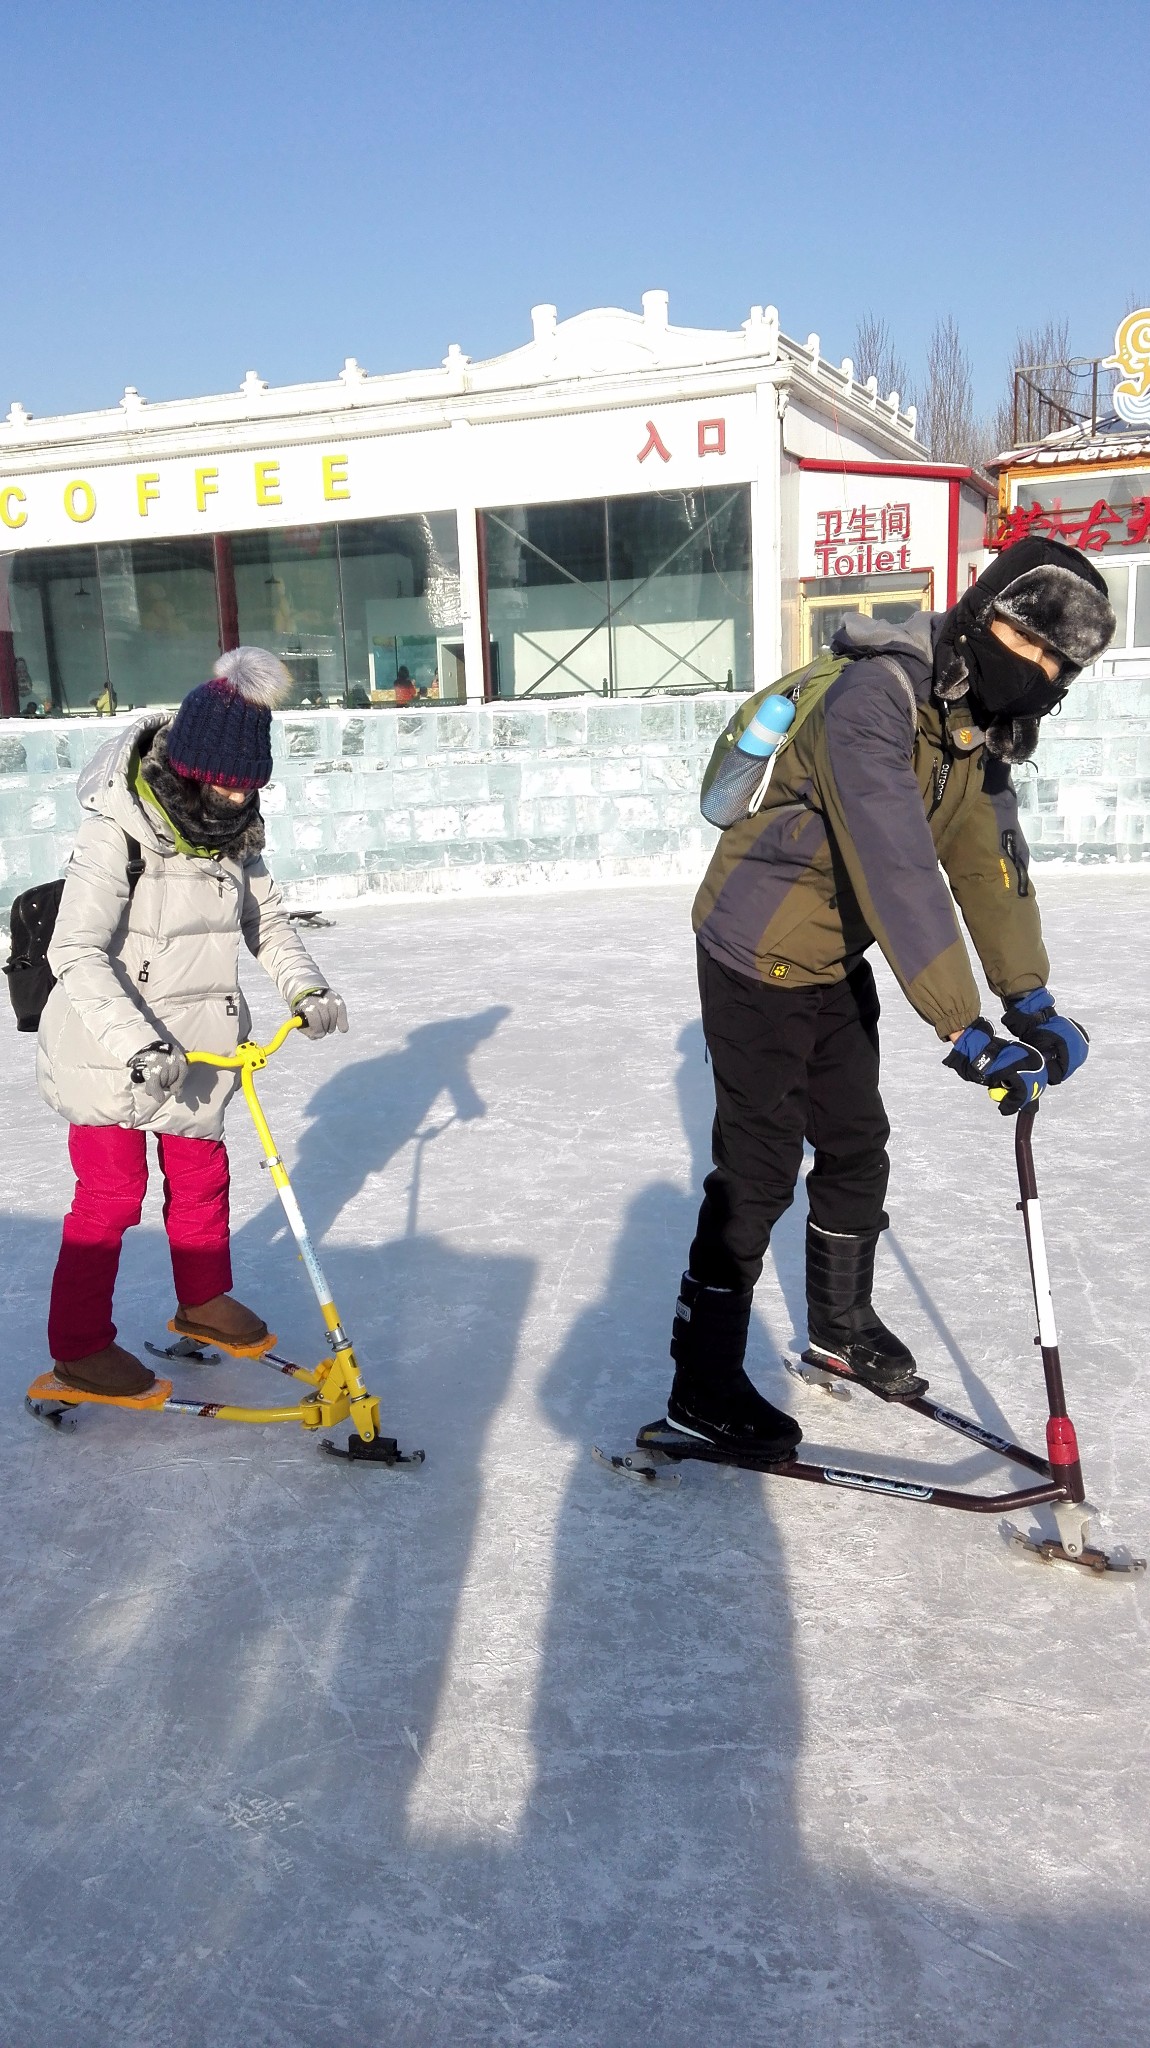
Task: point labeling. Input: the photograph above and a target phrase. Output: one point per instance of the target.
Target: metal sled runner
(1060, 1472)
(339, 1392)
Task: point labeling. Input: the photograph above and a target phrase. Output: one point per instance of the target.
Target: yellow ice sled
(338, 1395)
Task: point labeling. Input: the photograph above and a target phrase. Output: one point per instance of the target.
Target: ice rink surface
(509, 1750)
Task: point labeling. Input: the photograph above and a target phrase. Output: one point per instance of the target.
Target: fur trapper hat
(222, 730)
(1050, 592)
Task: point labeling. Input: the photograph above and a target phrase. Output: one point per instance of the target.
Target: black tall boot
(712, 1396)
(845, 1333)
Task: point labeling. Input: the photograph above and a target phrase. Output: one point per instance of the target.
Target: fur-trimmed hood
(184, 806)
(107, 787)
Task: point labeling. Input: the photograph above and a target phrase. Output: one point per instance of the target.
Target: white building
(620, 508)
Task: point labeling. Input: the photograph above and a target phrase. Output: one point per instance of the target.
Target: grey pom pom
(256, 674)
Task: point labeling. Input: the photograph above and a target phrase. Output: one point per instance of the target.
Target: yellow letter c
(9, 517)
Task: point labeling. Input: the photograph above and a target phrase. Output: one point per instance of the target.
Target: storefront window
(620, 596)
(547, 599)
(287, 597)
(56, 649)
(828, 600)
(160, 622)
(681, 591)
(1142, 606)
(401, 610)
(1117, 579)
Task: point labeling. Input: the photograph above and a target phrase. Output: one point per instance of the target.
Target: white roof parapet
(1074, 446)
(606, 346)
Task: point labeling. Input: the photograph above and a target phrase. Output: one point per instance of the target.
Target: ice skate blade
(677, 1444)
(826, 1362)
(650, 1467)
(185, 1347)
(382, 1450)
(1046, 1550)
(59, 1416)
(49, 1388)
(815, 1376)
(202, 1337)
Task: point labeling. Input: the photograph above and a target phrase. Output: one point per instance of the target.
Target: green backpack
(806, 687)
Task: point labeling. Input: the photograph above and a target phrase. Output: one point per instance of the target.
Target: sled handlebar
(247, 1053)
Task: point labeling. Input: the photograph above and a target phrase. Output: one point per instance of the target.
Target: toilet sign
(863, 540)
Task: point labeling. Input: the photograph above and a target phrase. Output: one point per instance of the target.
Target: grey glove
(161, 1069)
(321, 1011)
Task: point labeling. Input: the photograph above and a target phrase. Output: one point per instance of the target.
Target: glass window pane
(1117, 577)
(547, 599)
(681, 591)
(1142, 607)
(160, 619)
(287, 596)
(895, 610)
(57, 631)
(402, 610)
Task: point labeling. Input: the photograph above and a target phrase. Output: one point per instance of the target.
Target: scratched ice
(506, 1750)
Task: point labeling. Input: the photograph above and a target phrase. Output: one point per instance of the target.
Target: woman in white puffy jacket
(147, 966)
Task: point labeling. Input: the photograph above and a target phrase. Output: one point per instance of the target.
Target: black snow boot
(845, 1334)
(712, 1396)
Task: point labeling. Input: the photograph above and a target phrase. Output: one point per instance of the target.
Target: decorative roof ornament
(253, 385)
(1131, 394)
(17, 417)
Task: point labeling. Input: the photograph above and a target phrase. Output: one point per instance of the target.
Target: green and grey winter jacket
(862, 808)
(161, 963)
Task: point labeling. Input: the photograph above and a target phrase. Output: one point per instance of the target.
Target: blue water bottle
(772, 719)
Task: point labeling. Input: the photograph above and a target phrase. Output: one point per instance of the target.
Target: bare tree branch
(1048, 345)
(875, 356)
(946, 414)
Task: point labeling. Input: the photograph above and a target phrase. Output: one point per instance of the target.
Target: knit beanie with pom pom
(222, 730)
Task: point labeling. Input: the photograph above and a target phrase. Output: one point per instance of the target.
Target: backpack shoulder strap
(804, 686)
(899, 673)
(135, 861)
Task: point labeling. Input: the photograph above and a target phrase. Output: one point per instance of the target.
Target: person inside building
(902, 765)
(166, 874)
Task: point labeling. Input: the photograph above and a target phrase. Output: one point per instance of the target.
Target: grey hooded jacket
(876, 796)
(159, 963)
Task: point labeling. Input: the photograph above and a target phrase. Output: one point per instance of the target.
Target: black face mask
(1004, 685)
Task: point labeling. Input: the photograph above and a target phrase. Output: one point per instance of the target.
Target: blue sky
(193, 191)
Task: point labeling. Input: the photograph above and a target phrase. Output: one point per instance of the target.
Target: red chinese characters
(1092, 529)
(655, 444)
(864, 540)
(711, 439)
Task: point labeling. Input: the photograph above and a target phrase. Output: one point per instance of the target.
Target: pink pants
(111, 1166)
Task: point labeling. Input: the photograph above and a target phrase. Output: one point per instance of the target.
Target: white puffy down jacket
(160, 964)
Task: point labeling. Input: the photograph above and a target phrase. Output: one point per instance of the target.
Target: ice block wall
(577, 792)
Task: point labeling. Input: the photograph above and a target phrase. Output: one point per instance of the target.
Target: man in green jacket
(902, 768)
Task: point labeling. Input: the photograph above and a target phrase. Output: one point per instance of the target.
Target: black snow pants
(789, 1064)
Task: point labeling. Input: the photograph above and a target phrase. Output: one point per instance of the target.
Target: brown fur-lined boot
(113, 1372)
(227, 1323)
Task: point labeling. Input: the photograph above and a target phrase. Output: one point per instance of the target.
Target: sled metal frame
(1062, 1488)
(339, 1391)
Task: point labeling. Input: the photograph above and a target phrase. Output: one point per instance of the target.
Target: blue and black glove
(996, 1063)
(1062, 1043)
